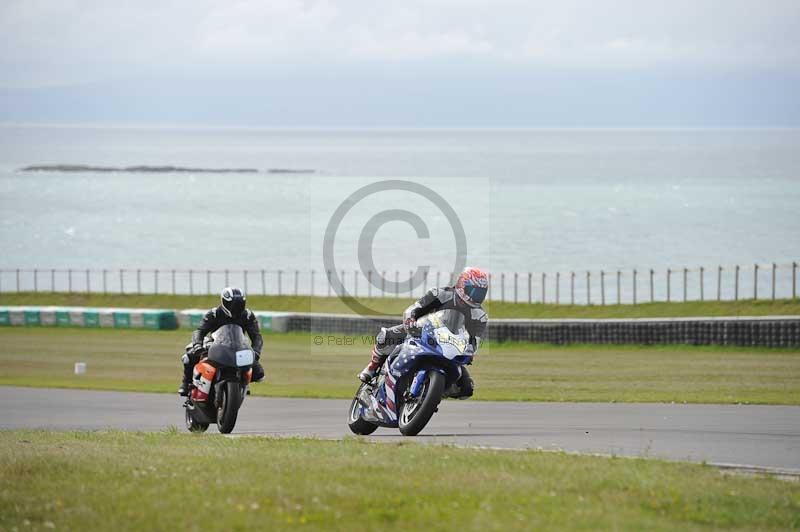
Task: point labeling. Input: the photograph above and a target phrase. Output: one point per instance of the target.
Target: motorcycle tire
(355, 422)
(414, 416)
(228, 409)
(192, 425)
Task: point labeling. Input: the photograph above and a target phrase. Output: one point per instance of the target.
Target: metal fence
(587, 287)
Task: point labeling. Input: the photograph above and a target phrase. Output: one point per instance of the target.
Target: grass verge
(296, 366)
(395, 306)
(171, 481)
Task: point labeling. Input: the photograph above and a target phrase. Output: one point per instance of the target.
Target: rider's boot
(183, 391)
(368, 373)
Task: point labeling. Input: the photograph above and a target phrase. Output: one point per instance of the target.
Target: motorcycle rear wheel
(228, 409)
(415, 415)
(357, 424)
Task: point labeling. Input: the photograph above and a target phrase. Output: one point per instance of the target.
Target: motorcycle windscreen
(230, 335)
(230, 348)
(453, 345)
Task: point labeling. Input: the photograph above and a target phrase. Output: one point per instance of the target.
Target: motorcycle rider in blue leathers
(464, 298)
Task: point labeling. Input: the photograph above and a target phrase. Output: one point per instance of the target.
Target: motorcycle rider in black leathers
(232, 310)
(464, 298)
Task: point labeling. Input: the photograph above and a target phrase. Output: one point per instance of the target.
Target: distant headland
(156, 169)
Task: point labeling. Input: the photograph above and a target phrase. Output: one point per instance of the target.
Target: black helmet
(232, 301)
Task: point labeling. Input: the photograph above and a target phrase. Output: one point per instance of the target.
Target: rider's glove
(409, 323)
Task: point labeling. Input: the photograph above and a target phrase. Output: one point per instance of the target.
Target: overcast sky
(410, 63)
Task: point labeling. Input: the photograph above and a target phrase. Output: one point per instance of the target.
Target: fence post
(355, 283)
(516, 276)
(602, 287)
(369, 283)
(544, 285)
(17, 279)
(397, 283)
(69, 281)
(736, 285)
(244, 274)
(411, 283)
(634, 287)
(755, 281)
(619, 287)
(138, 281)
(88, 283)
(329, 282)
(719, 283)
(312, 284)
(503, 287)
(530, 287)
(685, 275)
(296, 281)
(588, 288)
(173, 282)
(208, 282)
(669, 275)
(652, 295)
(438, 276)
(53, 280)
(263, 282)
(702, 271)
(383, 283)
(774, 266)
(490, 290)
(105, 286)
(122, 281)
(191, 282)
(794, 280)
(227, 277)
(35, 280)
(571, 288)
(155, 280)
(558, 287)
(280, 275)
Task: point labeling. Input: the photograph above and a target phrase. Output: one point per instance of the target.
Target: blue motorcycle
(413, 380)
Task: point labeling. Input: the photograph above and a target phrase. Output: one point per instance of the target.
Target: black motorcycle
(220, 381)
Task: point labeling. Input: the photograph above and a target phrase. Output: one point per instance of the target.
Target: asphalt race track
(762, 436)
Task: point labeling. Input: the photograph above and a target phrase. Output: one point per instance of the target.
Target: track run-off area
(746, 436)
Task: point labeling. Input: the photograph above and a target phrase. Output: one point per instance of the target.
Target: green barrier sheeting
(89, 317)
(32, 317)
(62, 318)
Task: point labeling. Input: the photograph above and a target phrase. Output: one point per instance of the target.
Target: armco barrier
(118, 318)
(268, 321)
(767, 331)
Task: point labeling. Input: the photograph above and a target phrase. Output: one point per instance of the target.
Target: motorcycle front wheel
(416, 413)
(229, 404)
(355, 422)
(193, 425)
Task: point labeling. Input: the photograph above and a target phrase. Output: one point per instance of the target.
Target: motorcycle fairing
(202, 378)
